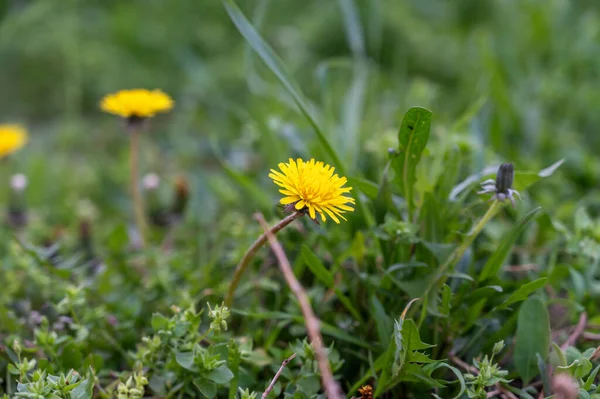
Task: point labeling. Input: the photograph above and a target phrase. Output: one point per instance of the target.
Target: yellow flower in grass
(136, 103)
(311, 186)
(12, 138)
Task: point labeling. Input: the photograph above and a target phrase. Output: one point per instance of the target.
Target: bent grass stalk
(243, 265)
(457, 254)
(136, 194)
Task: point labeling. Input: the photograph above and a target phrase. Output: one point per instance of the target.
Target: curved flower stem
(243, 265)
(441, 277)
(136, 194)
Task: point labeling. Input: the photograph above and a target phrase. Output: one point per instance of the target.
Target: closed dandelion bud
(502, 187)
(504, 178)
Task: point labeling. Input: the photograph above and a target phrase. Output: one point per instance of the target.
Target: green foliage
(415, 102)
(488, 374)
(532, 338)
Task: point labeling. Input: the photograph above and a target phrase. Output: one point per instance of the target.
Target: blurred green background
(507, 81)
(513, 80)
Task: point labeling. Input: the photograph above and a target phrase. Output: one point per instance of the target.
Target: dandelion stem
(136, 194)
(243, 265)
(441, 276)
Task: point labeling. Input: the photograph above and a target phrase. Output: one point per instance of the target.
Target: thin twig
(590, 336)
(332, 390)
(522, 268)
(274, 380)
(243, 265)
(576, 332)
(459, 362)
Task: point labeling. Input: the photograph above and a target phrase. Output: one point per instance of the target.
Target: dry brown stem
(577, 332)
(332, 390)
(274, 380)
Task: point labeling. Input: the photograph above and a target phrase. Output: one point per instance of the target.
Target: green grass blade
(495, 262)
(412, 140)
(276, 65)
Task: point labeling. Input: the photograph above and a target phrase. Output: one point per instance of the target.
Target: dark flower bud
(504, 178)
(182, 195)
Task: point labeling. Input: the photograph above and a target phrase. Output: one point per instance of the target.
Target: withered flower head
(502, 186)
(366, 392)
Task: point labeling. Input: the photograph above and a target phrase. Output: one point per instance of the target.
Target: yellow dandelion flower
(136, 103)
(12, 138)
(311, 186)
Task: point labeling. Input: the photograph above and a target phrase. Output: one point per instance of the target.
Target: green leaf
(220, 375)
(412, 138)
(532, 338)
(159, 322)
(590, 380)
(181, 328)
(317, 268)
(416, 373)
(543, 373)
(71, 357)
(326, 329)
(560, 355)
(320, 271)
(185, 360)
(383, 323)
(13, 370)
(412, 339)
(430, 368)
(387, 362)
(206, 387)
(579, 368)
(383, 202)
(432, 228)
(523, 292)
(551, 169)
(495, 262)
(367, 187)
(483, 292)
(84, 390)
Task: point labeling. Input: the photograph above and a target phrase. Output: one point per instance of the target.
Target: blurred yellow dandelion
(12, 138)
(136, 103)
(311, 186)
